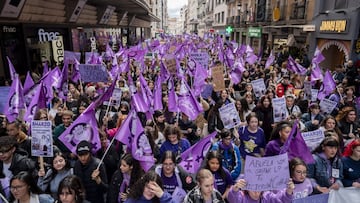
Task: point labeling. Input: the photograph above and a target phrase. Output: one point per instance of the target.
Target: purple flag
(140, 147)
(29, 82)
(201, 75)
(75, 76)
(316, 73)
(51, 79)
(104, 97)
(164, 73)
(230, 58)
(172, 97)
(137, 97)
(295, 67)
(37, 102)
(15, 101)
(295, 146)
(187, 102)
(251, 58)
(318, 57)
(327, 87)
(158, 105)
(11, 69)
(238, 69)
(45, 67)
(63, 85)
(192, 158)
(123, 134)
(83, 128)
(270, 60)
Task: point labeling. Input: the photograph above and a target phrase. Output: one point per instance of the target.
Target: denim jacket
(320, 172)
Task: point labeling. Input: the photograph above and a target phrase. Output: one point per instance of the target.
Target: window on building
(340, 4)
(222, 16)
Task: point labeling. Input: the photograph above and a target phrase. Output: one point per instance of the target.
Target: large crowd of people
(113, 175)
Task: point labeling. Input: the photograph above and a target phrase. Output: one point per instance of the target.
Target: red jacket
(280, 89)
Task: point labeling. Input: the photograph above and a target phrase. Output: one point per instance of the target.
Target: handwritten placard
(41, 138)
(201, 57)
(266, 173)
(327, 105)
(279, 109)
(314, 94)
(320, 198)
(229, 116)
(93, 73)
(313, 138)
(217, 74)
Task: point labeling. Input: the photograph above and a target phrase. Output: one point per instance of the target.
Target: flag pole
(105, 153)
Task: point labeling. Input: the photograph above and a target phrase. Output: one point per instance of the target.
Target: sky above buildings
(174, 7)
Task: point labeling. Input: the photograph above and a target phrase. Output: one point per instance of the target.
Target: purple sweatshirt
(166, 198)
(273, 147)
(266, 197)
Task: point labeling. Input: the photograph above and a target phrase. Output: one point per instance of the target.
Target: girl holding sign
(298, 171)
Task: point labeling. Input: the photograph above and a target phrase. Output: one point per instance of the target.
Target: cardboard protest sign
(266, 173)
(320, 198)
(313, 138)
(41, 141)
(229, 116)
(201, 57)
(217, 74)
(259, 87)
(327, 106)
(93, 73)
(279, 109)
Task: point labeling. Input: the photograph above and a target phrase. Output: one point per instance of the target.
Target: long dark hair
(280, 126)
(28, 179)
(136, 171)
(74, 186)
(214, 154)
(137, 189)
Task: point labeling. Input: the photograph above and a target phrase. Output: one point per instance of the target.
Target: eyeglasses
(301, 172)
(15, 188)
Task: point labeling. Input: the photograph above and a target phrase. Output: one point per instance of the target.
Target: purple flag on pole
(295, 146)
(251, 58)
(164, 73)
(63, 85)
(201, 75)
(187, 102)
(158, 105)
(75, 71)
(37, 102)
(192, 158)
(123, 134)
(270, 60)
(45, 67)
(327, 87)
(104, 97)
(295, 67)
(29, 82)
(83, 128)
(172, 97)
(50, 80)
(318, 57)
(15, 101)
(316, 73)
(11, 69)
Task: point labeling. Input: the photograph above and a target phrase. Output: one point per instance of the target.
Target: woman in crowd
(347, 122)
(252, 138)
(349, 98)
(173, 176)
(149, 188)
(231, 158)
(243, 110)
(124, 178)
(327, 171)
(302, 102)
(24, 189)
(204, 191)
(223, 180)
(351, 163)
(329, 124)
(279, 136)
(49, 181)
(214, 119)
(298, 171)
(264, 113)
(71, 190)
(41, 114)
(174, 141)
(312, 119)
(237, 194)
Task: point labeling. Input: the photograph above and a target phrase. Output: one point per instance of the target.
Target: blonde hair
(203, 174)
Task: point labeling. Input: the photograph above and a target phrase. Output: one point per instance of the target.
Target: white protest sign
(327, 106)
(347, 194)
(307, 89)
(279, 109)
(313, 138)
(266, 173)
(314, 94)
(41, 138)
(115, 98)
(229, 116)
(320, 198)
(259, 87)
(202, 58)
